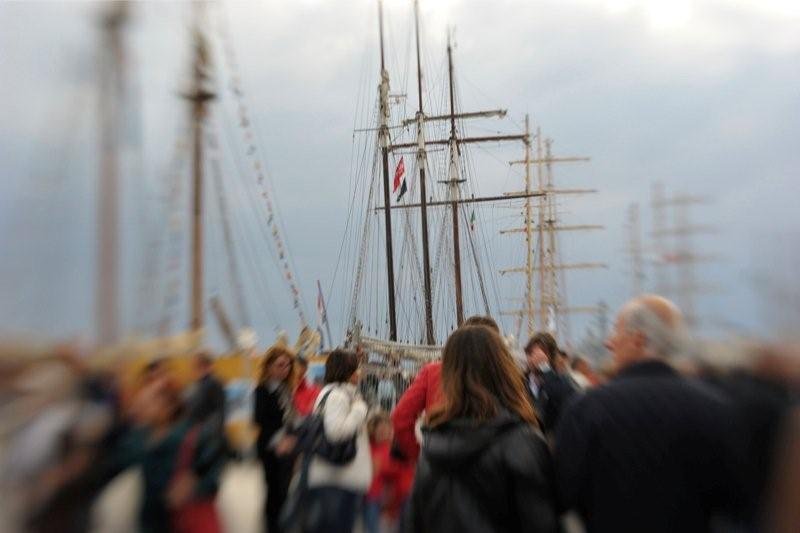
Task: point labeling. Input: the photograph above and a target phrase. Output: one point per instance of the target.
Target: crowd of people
(477, 442)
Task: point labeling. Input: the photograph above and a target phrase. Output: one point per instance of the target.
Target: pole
(111, 75)
(384, 136)
(529, 297)
(426, 260)
(454, 191)
(199, 98)
(542, 262)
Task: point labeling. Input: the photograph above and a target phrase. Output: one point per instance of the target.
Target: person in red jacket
(423, 394)
(306, 393)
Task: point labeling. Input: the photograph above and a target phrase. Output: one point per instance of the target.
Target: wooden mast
(529, 294)
(198, 98)
(421, 157)
(111, 83)
(384, 140)
(550, 305)
(454, 142)
(453, 184)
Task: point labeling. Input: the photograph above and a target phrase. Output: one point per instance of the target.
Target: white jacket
(345, 415)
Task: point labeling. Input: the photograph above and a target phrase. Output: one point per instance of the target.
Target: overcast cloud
(703, 96)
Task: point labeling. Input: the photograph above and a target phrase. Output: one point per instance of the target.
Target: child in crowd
(391, 478)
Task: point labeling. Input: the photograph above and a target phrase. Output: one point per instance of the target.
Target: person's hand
(181, 490)
(286, 445)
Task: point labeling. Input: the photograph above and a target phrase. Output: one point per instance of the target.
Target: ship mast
(453, 183)
(384, 141)
(550, 304)
(454, 180)
(111, 83)
(421, 158)
(198, 99)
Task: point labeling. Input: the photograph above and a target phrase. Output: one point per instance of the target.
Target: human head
(203, 363)
(301, 367)
(278, 365)
(561, 361)
(341, 367)
(581, 364)
(647, 327)
(163, 407)
(482, 320)
(379, 427)
(155, 370)
(541, 348)
(479, 378)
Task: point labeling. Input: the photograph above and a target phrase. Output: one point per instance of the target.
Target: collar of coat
(648, 367)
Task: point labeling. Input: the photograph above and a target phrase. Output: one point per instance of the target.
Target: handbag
(196, 515)
(298, 512)
(312, 439)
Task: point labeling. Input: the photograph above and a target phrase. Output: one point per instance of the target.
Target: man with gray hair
(650, 450)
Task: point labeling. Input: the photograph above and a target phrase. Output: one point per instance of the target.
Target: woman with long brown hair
(484, 464)
(274, 414)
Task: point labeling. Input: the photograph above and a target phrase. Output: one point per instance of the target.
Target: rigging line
(470, 164)
(366, 230)
(213, 280)
(267, 187)
(254, 257)
(262, 291)
(256, 207)
(362, 254)
(416, 274)
(175, 255)
(375, 319)
(251, 253)
(349, 213)
(233, 269)
(360, 107)
(409, 248)
(477, 268)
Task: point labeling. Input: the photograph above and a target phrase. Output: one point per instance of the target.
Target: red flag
(398, 174)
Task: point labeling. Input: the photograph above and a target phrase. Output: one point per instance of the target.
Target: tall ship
(421, 254)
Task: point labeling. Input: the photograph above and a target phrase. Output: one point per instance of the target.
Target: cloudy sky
(702, 96)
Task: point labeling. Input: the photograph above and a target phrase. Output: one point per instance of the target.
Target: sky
(701, 96)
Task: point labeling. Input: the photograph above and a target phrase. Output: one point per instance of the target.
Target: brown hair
(481, 320)
(546, 342)
(377, 418)
(171, 393)
(480, 378)
(340, 366)
(273, 353)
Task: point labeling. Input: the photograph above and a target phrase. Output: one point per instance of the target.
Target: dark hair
(301, 361)
(204, 358)
(578, 360)
(546, 342)
(480, 378)
(481, 320)
(340, 366)
(152, 369)
(155, 365)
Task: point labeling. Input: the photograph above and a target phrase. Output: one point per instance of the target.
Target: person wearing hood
(484, 464)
